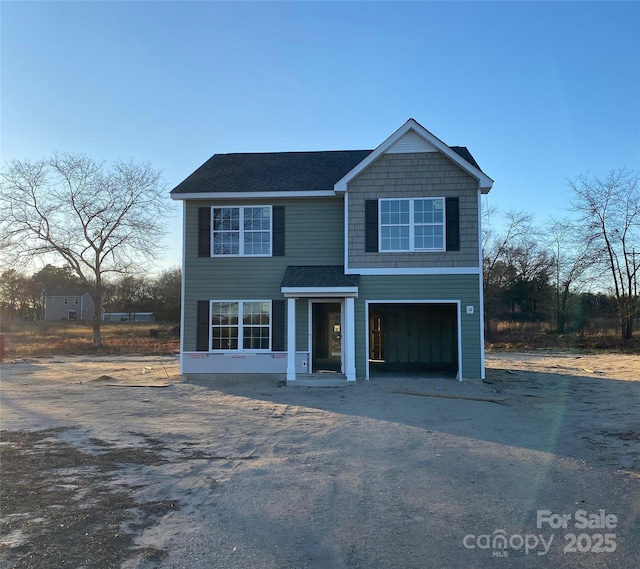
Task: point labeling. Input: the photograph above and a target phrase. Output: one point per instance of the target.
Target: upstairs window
(241, 231)
(412, 224)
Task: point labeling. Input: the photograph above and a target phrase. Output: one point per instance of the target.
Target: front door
(326, 337)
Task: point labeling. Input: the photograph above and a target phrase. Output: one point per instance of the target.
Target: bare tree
(571, 257)
(609, 213)
(497, 272)
(96, 219)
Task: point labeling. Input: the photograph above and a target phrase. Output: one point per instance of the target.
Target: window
(242, 231)
(224, 325)
(75, 301)
(66, 301)
(412, 224)
(240, 325)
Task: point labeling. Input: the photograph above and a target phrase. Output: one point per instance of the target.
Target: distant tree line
(22, 296)
(104, 224)
(573, 270)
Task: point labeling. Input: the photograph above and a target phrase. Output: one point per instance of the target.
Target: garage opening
(413, 339)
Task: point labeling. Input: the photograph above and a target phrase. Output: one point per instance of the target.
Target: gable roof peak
(411, 125)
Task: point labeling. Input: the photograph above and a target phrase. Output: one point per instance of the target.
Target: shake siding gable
(427, 174)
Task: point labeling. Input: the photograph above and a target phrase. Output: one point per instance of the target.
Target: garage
(413, 338)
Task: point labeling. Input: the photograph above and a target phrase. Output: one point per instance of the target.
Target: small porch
(330, 296)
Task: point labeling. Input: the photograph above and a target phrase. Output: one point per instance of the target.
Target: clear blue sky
(539, 92)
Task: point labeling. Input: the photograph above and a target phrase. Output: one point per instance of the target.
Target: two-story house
(361, 263)
(68, 304)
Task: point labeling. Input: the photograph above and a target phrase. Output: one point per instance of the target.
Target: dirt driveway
(111, 462)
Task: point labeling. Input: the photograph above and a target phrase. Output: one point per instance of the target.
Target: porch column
(291, 339)
(350, 325)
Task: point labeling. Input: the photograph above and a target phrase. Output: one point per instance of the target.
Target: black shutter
(453, 224)
(371, 226)
(278, 231)
(202, 327)
(204, 232)
(277, 326)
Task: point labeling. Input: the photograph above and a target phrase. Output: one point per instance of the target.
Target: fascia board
(253, 195)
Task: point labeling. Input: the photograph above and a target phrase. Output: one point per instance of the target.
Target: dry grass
(37, 339)
(537, 336)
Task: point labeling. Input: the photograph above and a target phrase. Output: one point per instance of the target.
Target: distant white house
(68, 304)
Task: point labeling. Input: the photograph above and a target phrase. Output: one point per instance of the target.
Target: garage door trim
(405, 301)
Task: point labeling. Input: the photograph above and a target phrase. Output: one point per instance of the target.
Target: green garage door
(413, 338)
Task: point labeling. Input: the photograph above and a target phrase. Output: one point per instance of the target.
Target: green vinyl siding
(314, 235)
(302, 320)
(463, 288)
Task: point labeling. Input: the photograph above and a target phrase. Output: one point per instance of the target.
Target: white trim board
(315, 292)
(183, 286)
(481, 293)
(415, 271)
(331, 300)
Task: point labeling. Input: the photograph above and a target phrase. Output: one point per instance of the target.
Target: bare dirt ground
(112, 462)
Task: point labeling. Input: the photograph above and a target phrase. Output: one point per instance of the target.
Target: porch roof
(322, 280)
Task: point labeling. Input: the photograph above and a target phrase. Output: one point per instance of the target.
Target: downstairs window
(240, 325)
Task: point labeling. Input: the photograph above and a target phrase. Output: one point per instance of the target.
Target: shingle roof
(318, 277)
(67, 292)
(274, 171)
(278, 171)
(463, 152)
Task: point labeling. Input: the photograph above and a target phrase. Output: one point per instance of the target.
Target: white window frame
(241, 231)
(412, 225)
(240, 327)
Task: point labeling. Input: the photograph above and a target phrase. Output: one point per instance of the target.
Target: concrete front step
(320, 380)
